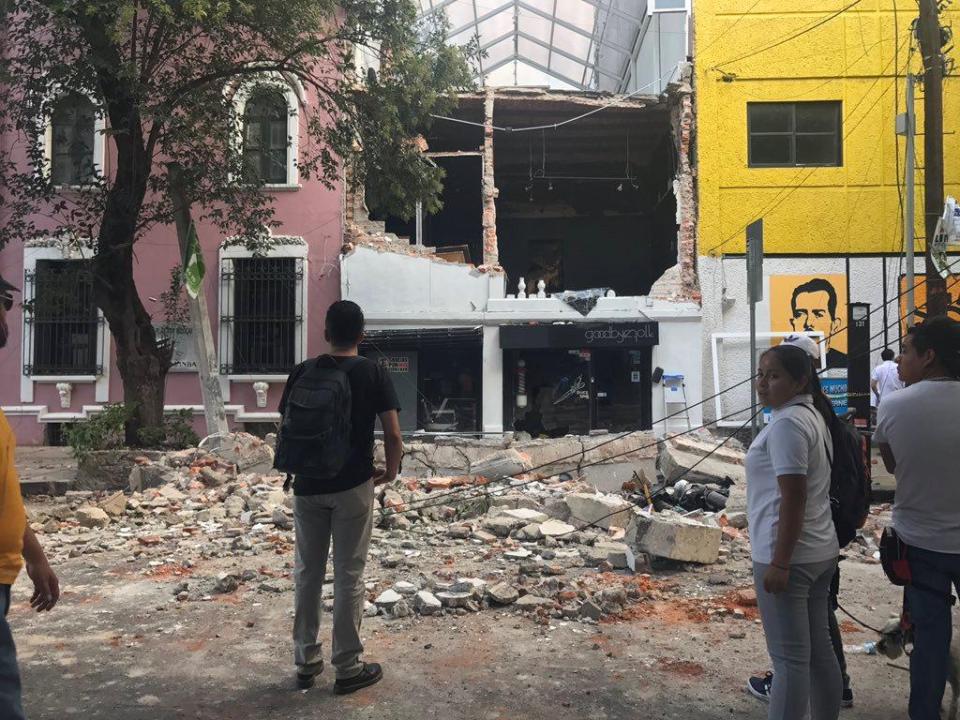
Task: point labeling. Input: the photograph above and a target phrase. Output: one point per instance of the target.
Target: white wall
(733, 315)
(396, 286)
(679, 354)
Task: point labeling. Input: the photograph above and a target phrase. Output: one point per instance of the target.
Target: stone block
(247, 452)
(504, 463)
(598, 509)
(676, 538)
(503, 594)
(426, 603)
(610, 477)
(91, 517)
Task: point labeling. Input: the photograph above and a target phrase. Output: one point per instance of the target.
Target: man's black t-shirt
(372, 393)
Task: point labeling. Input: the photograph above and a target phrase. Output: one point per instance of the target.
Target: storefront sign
(579, 335)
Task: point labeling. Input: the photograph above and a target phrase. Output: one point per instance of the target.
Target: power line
(785, 192)
(788, 38)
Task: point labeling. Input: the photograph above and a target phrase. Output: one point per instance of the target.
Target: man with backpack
(850, 503)
(328, 409)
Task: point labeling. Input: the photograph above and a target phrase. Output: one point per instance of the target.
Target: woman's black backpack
(850, 478)
(314, 435)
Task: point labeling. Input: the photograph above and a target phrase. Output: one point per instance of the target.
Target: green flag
(193, 264)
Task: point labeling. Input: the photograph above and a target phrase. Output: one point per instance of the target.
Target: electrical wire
(790, 37)
(568, 121)
(788, 190)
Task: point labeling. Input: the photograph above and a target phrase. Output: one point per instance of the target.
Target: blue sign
(836, 390)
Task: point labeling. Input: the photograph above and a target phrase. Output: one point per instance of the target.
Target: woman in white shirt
(794, 543)
(918, 431)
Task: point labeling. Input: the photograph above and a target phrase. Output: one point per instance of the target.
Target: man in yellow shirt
(17, 544)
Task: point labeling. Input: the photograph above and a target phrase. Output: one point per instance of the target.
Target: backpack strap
(826, 445)
(347, 364)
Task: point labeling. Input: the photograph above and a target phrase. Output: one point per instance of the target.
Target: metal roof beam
(568, 56)
(600, 5)
(480, 19)
(499, 64)
(435, 8)
(569, 26)
(631, 61)
(500, 39)
(553, 73)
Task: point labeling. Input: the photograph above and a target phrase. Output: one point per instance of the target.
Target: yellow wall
(849, 209)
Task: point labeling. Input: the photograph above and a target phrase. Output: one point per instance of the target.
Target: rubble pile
(551, 546)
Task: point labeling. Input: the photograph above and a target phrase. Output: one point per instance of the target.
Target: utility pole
(907, 126)
(931, 40)
(213, 409)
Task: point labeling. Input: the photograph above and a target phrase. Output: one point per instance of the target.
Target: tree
(165, 74)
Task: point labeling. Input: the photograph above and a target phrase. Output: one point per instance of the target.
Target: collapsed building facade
(555, 292)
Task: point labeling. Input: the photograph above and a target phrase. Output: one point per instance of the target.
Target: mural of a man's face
(811, 313)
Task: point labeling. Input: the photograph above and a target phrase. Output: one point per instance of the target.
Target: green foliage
(168, 75)
(105, 431)
(176, 434)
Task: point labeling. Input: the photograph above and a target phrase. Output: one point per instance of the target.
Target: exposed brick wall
(684, 123)
(491, 252)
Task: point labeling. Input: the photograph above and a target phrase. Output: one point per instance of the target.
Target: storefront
(437, 374)
(572, 378)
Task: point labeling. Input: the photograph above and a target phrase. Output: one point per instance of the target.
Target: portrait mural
(812, 303)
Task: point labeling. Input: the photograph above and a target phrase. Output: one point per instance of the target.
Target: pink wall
(312, 212)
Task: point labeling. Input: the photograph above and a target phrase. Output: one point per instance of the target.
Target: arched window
(71, 151)
(265, 136)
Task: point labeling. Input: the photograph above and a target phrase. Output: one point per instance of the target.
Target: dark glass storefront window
(551, 393)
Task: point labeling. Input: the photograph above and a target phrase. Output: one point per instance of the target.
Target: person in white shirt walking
(919, 438)
(793, 540)
(885, 378)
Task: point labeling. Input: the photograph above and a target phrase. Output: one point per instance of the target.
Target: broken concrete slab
(92, 517)
(115, 505)
(610, 477)
(505, 463)
(676, 463)
(247, 452)
(454, 599)
(598, 509)
(675, 537)
(525, 515)
(556, 528)
(426, 603)
(532, 602)
(503, 594)
(388, 598)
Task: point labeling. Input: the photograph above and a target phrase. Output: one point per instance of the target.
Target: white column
(492, 380)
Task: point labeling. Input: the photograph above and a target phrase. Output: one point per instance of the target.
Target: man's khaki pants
(347, 517)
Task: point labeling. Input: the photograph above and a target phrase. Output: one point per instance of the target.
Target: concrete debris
(503, 594)
(247, 453)
(556, 528)
(388, 599)
(115, 505)
(92, 517)
(426, 603)
(676, 538)
(598, 509)
(546, 544)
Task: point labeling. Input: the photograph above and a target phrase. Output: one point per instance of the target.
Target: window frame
(294, 96)
(45, 248)
(265, 150)
(284, 247)
(45, 138)
(792, 134)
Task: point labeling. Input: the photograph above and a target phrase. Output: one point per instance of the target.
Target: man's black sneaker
(847, 700)
(307, 675)
(371, 674)
(761, 686)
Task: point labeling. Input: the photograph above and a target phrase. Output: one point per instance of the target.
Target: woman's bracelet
(780, 567)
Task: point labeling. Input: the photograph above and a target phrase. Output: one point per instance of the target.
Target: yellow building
(835, 67)
(796, 106)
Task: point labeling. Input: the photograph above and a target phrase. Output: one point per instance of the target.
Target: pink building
(266, 312)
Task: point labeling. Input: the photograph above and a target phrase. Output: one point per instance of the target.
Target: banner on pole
(193, 269)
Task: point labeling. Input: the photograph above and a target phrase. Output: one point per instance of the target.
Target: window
(794, 134)
(64, 319)
(72, 141)
(265, 320)
(265, 136)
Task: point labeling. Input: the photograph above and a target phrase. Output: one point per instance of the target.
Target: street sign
(755, 261)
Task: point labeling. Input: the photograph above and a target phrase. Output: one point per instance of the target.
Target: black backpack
(314, 436)
(850, 480)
